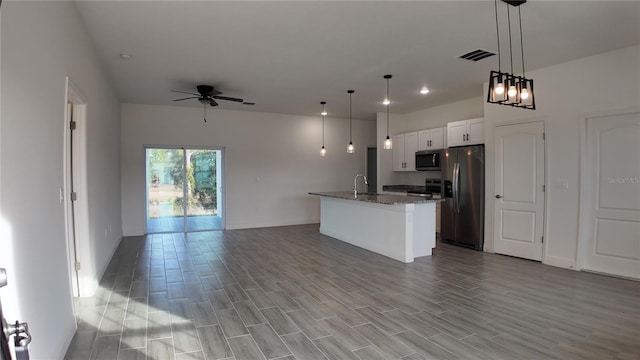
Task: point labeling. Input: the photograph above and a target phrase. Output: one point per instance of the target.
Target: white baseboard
(251, 225)
(90, 289)
(557, 261)
(67, 342)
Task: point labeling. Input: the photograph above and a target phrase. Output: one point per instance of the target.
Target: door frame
(222, 204)
(76, 222)
(586, 185)
(491, 198)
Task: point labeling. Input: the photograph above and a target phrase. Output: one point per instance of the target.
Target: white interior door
(613, 195)
(519, 186)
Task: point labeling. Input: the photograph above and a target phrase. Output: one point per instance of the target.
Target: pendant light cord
(495, 3)
(388, 105)
(521, 41)
(510, 44)
(323, 128)
(350, 126)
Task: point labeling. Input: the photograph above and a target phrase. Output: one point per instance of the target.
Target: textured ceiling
(288, 56)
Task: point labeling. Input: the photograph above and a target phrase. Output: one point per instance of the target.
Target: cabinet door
(456, 133)
(437, 139)
(398, 152)
(410, 146)
(475, 129)
(423, 139)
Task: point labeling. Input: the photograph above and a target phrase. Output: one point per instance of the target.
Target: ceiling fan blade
(187, 98)
(184, 92)
(227, 98)
(213, 103)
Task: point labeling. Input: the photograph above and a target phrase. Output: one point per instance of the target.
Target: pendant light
(387, 142)
(508, 88)
(323, 151)
(350, 148)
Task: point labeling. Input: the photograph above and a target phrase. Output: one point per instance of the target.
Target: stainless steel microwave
(428, 160)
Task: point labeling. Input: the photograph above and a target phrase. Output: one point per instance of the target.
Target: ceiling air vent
(476, 55)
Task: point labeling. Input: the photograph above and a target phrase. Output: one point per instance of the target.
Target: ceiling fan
(207, 94)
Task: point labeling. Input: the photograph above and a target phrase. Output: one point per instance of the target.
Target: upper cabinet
(465, 132)
(432, 139)
(404, 151)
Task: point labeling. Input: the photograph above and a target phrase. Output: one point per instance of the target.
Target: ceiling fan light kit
(207, 95)
(506, 88)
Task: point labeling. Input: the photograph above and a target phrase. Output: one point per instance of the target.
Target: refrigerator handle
(456, 195)
(458, 188)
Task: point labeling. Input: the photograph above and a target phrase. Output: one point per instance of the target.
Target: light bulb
(386, 101)
(323, 113)
(350, 148)
(323, 151)
(512, 91)
(500, 89)
(524, 95)
(387, 143)
(424, 90)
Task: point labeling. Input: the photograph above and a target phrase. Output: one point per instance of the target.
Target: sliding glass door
(183, 189)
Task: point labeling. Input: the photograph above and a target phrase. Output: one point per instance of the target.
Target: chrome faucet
(355, 184)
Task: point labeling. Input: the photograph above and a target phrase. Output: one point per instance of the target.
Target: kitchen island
(396, 226)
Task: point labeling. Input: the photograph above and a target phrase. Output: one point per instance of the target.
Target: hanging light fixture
(350, 148)
(507, 88)
(387, 142)
(323, 151)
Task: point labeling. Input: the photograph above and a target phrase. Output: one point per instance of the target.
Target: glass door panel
(165, 190)
(202, 189)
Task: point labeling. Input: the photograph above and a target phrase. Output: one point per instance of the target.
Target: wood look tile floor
(292, 293)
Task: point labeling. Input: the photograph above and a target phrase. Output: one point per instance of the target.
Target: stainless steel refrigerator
(463, 208)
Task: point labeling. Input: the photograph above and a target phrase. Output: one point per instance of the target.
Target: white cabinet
(404, 151)
(432, 139)
(465, 132)
(438, 217)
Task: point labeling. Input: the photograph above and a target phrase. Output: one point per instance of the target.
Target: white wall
(565, 95)
(42, 43)
(271, 160)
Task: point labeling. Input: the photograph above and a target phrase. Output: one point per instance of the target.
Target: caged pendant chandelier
(387, 142)
(323, 151)
(507, 88)
(350, 148)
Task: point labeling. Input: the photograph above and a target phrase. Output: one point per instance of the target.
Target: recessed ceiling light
(424, 90)
(125, 56)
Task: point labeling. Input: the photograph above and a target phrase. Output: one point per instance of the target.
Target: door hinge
(72, 125)
(542, 240)
(74, 196)
(77, 266)
(543, 188)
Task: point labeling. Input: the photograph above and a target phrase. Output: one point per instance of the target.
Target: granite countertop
(403, 188)
(377, 198)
